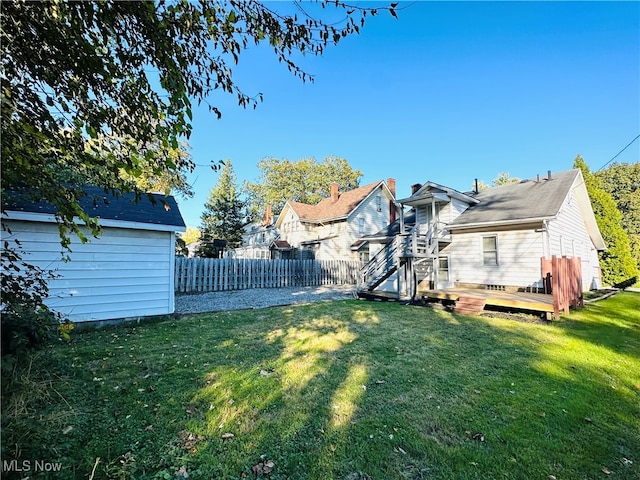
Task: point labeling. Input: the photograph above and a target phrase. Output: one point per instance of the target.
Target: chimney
(334, 192)
(391, 183)
(548, 174)
(415, 187)
(267, 216)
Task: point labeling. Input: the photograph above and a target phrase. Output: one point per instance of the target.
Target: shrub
(27, 323)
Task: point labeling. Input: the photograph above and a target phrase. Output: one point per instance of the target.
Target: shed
(127, 272)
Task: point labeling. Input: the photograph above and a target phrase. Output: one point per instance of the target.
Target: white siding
(337, 236)
(519, 253)
(568, 237)
(374, 220)
(123, 273)
(456, 208)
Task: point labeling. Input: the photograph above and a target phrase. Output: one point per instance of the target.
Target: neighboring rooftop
(331, 208)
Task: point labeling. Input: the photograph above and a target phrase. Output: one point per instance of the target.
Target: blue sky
(448, 92)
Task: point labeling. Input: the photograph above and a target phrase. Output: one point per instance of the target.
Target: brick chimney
(267, 216)
(335, 194)
(415, 187)
(391, 183)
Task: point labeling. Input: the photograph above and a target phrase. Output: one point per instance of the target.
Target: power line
(616, 155)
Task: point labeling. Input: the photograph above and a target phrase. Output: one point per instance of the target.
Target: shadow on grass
(612, 323)
(343, 390)
(407, 393)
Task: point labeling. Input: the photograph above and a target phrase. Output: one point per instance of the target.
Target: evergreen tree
(622, 181)
(223, 218)
(616, 262)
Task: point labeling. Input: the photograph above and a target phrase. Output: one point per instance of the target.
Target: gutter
(498, 224)
(103, 222)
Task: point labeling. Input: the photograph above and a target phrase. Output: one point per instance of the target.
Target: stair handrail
(378, 264)
(435, 233)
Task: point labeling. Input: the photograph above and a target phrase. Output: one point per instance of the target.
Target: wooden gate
(562, 277)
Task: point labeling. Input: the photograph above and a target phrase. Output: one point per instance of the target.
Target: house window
(379, 203)
(490, 250)
(361, 225)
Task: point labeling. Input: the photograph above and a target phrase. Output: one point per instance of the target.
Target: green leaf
(91, 131)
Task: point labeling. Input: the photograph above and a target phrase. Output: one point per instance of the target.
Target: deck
(537, 302)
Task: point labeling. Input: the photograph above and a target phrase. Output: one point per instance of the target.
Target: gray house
(128, 271)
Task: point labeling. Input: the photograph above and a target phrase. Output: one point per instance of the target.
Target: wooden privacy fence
(562, 277)
(220, 274)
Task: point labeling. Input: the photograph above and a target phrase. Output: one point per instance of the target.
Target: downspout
(546, 241)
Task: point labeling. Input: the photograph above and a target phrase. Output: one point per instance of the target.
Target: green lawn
(344, 390)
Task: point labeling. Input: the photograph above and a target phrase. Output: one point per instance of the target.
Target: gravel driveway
(260, 298)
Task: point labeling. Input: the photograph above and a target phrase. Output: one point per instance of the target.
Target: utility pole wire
(616, 155)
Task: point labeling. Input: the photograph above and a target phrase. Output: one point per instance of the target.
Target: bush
(27, 323)
(629, 282)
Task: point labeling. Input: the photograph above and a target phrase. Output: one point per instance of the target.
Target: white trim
(103, 222)
(523, 221)
(172, 273)
(483, 251)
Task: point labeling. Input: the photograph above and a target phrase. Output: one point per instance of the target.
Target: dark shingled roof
(522, 201)
(157, 210)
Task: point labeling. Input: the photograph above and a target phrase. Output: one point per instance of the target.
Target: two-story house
(494, 238)
(260, 239)
(334, 228)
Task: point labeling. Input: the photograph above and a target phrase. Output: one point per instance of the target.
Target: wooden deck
(537, 302)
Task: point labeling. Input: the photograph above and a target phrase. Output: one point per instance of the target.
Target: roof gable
(150, 209)
(329, 210)
(439, 192)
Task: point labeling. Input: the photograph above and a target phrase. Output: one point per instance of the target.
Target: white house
(492, 239)
(259, 239)
(127, 272)
(334, 228)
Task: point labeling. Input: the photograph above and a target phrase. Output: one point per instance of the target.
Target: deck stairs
(379, 268)
(470, 305)
(418, 246)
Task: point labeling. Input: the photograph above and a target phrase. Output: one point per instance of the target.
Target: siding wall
(123, 273)
(568, 237)
(519, 253)
(446, 212)
(345, 231)
(374, 220)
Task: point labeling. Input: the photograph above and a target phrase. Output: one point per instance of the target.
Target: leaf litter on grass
(421, 369)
